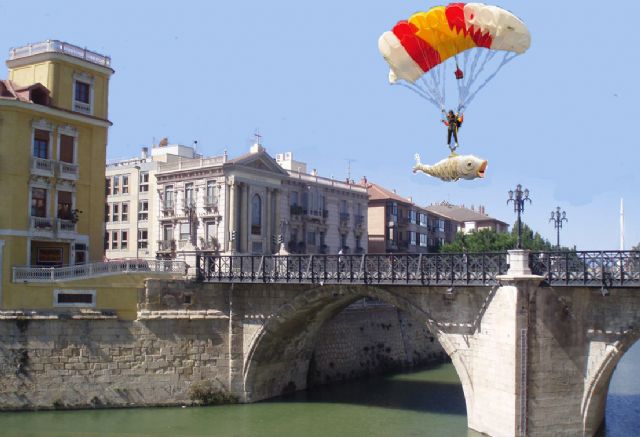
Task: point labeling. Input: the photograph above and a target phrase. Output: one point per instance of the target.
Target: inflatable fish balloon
(453, 168)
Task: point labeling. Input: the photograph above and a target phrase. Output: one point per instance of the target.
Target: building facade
(397, 225)
(132, 210)
(53, 135)
(251, 204)
(465, 219)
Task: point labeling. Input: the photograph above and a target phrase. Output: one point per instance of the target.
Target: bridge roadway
(534, 337)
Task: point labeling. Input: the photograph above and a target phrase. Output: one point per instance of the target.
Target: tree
(636, 247)
(488, 240)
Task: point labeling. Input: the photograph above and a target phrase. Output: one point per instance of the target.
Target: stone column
(230, 225)
(266, 214)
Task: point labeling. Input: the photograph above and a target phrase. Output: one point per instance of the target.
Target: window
(392, 211)
(322, 239)
(116, 212)
(343, 207)
(82, 92)
(423, 240)
(293, 198)
(125, 184)
(124, 241)
(38, 202)
(168, 197)
(305, 201)
(311, 238)
(343, 240)
(184, 231)
(143, 238)
(125, 212)
(114, 239)
(423, 219)
(189, 199)
(64, 205)
(107, 186)
(116, 184)
(41, 144)
(212, 194)
(66, 148)
(358, 242)
(107, 213)
(144, 182)
(74, 298)
(106, 240)
(412, 237)
(256, 215)
(413, 217)
(143, 210)
(440, 225)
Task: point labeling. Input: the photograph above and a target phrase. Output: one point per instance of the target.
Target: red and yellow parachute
(427, 39)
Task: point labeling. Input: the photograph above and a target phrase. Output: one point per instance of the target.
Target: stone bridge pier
(533, 360)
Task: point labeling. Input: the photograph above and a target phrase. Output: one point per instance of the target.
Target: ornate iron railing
(418, 269)
(607, 269)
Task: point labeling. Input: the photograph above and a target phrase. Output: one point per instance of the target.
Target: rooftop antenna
(621, 224)
(349, 161)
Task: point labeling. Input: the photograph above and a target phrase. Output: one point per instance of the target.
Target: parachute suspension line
(462, 91)
(477, 67)
(508, 57)
(443, 75)
(419, 91)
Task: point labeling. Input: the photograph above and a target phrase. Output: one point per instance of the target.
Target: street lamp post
(519, 197)
(557, 217)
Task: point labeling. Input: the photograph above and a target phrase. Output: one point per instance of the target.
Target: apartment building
(132, 210)
(53, 135)
(466, 219)
(397, 225)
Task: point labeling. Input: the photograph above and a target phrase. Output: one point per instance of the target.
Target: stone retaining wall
(68, 363)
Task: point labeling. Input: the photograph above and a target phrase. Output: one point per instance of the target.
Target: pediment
(260, 161)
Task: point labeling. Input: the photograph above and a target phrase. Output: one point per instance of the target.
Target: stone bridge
(534, 352)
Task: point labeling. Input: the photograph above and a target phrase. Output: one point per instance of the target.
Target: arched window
(256, 215)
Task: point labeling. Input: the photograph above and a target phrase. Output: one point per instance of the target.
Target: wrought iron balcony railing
(414, 269)
(608, 269)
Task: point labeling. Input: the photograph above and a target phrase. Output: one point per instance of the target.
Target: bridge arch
(599, 379)
(279, 355)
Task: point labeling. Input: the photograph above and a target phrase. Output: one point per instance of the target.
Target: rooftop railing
(92, 270)
(55, 46)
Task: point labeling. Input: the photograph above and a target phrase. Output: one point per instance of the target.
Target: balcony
(43, 224)
(69, 171)
(42, 167)
(66, 225)
(168, 208)
(167, 246)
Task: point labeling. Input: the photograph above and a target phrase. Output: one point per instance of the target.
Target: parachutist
(453, 122)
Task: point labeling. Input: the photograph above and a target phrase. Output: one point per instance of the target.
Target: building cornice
(53, 56)
(55, 112)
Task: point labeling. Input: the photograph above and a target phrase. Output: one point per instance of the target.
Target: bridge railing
(418, 269)
(588, 268)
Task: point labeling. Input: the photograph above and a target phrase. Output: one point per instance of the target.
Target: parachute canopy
(426, 40)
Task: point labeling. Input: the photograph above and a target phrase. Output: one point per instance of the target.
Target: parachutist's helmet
(450, 112)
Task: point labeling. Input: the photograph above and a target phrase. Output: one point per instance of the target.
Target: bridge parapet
(598, 269)
(423, 269)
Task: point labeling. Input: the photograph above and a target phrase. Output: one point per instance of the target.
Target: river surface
(427, 403)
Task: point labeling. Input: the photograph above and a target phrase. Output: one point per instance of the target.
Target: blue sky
(560, 119)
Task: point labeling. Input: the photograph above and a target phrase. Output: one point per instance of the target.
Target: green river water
(424, 403)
